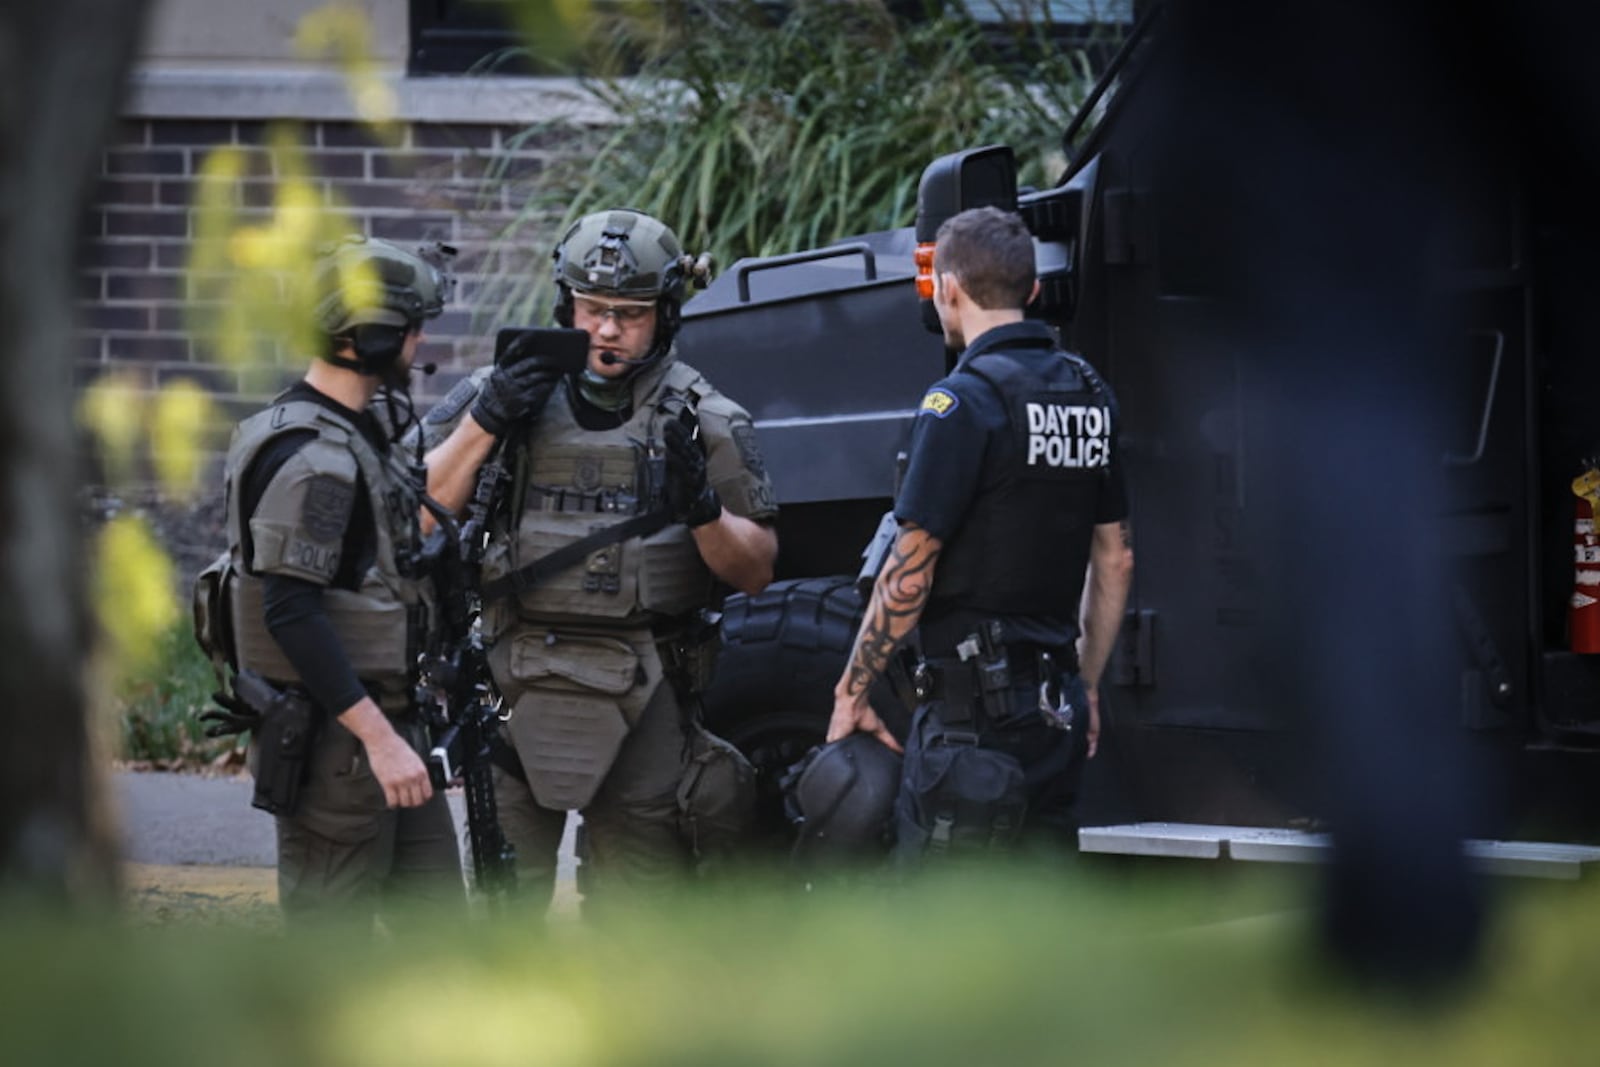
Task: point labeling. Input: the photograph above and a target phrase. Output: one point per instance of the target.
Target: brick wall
(132, 288)
(432, 187)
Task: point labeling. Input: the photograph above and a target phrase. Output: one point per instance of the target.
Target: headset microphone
(428, 368)
(611, 359)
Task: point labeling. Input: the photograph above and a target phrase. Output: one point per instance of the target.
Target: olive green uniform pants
(344, 851)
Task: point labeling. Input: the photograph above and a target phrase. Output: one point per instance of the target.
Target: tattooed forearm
(897, 601)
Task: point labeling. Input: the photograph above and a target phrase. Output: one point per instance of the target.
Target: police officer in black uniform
(1013, 527)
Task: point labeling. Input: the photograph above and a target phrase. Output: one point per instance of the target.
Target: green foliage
(754, 129)
(1013, 967)
(157, 703)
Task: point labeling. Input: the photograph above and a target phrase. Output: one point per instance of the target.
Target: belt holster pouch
(955, 797)
(689, 648)
(975, 688)
(283, 749)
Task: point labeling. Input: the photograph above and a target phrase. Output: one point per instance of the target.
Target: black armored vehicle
(1352, 472)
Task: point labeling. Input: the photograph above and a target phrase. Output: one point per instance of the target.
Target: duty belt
(974, 692)
(968, 699)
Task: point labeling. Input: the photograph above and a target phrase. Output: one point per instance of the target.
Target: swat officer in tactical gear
(599, 662)
(325, 599)
(1012, 513)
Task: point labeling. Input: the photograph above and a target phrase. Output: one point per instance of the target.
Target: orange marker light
(924, 260)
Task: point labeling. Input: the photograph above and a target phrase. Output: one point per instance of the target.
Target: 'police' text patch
(1068, 435)
(325, 511)
(940, 402)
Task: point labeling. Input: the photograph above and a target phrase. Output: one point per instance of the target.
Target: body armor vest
(1025, 544)
(571, 482)
(381, 623)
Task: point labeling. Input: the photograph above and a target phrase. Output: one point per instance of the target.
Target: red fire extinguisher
(1583, 618)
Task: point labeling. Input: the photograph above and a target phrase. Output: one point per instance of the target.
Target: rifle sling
(524, 578)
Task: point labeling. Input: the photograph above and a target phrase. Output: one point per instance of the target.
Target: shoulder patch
(939, 402)
(744, 437)
(326, 507)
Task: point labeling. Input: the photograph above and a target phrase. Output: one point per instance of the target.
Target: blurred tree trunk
(64, 63)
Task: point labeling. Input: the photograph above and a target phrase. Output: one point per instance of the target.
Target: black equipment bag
(956, 799)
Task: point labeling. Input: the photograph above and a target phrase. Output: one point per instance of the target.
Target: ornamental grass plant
(757, 129)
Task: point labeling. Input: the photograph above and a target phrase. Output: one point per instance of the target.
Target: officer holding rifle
(632, 494)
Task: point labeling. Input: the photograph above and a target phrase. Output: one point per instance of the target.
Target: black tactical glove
(514, 391)
(690, 497)
(233, 717)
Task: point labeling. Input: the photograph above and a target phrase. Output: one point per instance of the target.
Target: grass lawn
(1014, 967)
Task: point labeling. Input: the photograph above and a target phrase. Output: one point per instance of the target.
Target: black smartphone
(567, 350)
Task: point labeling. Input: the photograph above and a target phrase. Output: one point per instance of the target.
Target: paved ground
(194, 845)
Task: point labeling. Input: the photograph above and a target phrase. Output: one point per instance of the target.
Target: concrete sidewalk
(198, 837)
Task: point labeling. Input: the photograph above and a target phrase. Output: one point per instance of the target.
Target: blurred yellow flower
(184, 413)
(113, 410)
(133, 590)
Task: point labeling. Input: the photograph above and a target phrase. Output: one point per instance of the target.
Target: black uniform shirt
(960, 416)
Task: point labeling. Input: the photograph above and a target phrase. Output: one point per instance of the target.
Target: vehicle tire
(772, 695)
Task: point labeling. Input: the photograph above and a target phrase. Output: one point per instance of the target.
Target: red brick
(191, 132)
(348, 135)
(377, 195)
(172, 256)
(136, 193)
(453, 136)
(147, 224)
(414, 227)
(144, 287)
(411, 164)
(145, 161)
(176, 193)
(147, 347)
(103, 317)
(127, 256)
(338, 164)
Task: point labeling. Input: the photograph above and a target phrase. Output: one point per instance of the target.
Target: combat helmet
(628, 255)
(841, 800)
(371, 293)
(622, 253)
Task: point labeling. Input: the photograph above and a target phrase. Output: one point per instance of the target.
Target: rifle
(455, 694)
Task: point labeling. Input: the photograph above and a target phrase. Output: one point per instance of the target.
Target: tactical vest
(572, 482)
(1025, 544)
(383, 621)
